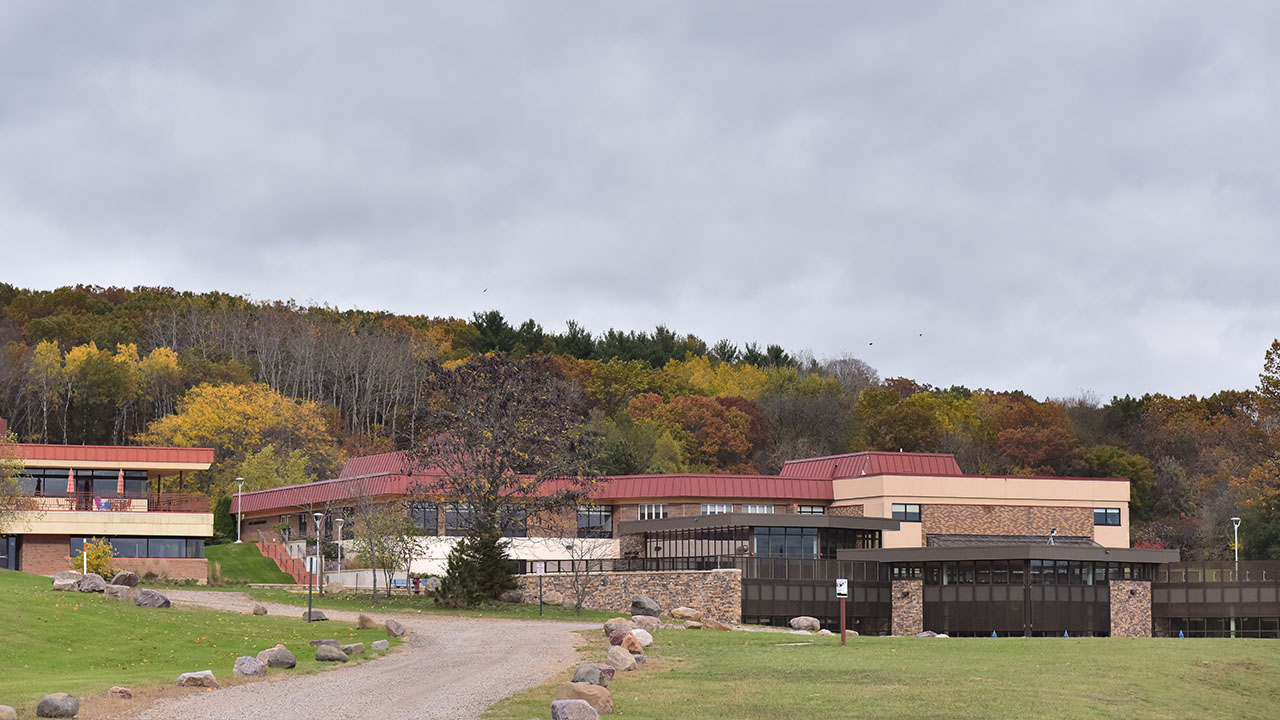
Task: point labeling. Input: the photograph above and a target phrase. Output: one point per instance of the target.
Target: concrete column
(908, 607)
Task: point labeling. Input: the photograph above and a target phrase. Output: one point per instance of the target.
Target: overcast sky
(1053, 197)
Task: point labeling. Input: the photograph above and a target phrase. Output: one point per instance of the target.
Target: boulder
(394, 629)
(713, 624)
(645, 622)
(314, 616)
(825, 632)
(364, 622)
(431, 585)
(596, 696)
(512, 596)
(804, 622)
(606, 671)
(249, 667)
(58, 705)
(381, 645)
(686, 613)
(334, 587)
(644, 605)
(200, 678)
(278, 657)
(8, 713)
(617, 624)
(927, 634)
(643, 637)
(620, 659)
(151, 599)
(352, 649)
(123, 593)
(631, 645)
(122, 693)
(692, 625)
(573, 710)
(259, 610)
(591, 675)
(125, 577)
(318, 643)
(330, 653)
(65, 585)
(68, 575)
(553, 597)
(615, 637)
(638, 657)
(92, 582)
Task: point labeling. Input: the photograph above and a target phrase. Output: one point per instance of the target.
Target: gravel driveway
(450, 668)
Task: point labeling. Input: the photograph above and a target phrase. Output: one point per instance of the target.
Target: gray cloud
(1060, 196)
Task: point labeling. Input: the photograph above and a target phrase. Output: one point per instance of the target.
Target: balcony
(150, 502)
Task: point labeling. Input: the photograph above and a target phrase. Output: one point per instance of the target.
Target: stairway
(286, 562)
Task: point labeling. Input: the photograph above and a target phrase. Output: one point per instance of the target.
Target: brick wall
(176, 568)
(1130, 608)
(718, 593)
(1006, 520)
(846, 510)
(908, 607)
(562, 523)
(45, 554)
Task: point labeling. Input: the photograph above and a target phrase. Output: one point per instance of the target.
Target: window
(811, 510)
(514, 521)
(716, 508)
(651, 511)
(906, 512)
(422, 516)
(595, 521)
(140, 547)
(1106, 516)
(166, 547)
(758, 509)
(457, 518)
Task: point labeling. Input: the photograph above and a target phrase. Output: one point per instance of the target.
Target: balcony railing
(151, 502)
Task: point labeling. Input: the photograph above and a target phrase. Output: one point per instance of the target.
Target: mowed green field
(243, 564)
(747, 676)
(83, 643)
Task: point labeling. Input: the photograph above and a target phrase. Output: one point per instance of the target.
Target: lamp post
(1235, 543)
(239, 506)
(319, 558)
(338, 532)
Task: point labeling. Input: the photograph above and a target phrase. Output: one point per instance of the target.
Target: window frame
(652, 511)
(716, 508)
(811, 509)
(902, 512)
(1107, 515)
(757, 509)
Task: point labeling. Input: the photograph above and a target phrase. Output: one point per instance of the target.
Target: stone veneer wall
(1130, 608)
(846, 510)
(1006, 520)
(718, 593)
(908, 607)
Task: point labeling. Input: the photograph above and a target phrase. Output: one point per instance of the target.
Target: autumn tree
(13, 499)
(716, 436)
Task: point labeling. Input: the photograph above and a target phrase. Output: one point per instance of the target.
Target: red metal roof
(390, 462)
(296, 498)
(109, 455)
(833, 467)
(712, 486)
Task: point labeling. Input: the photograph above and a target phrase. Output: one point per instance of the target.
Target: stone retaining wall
(1130, 608)
(718, 593)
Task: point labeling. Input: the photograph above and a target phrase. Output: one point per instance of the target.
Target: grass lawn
(740, 676)
(242, 564)
(83, 643)
(399, 602)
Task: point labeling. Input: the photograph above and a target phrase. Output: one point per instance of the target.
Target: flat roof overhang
(727, 520)
(1012, 552)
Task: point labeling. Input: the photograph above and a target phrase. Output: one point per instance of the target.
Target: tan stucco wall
(146, 524)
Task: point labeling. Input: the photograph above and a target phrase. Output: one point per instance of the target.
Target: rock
(799, 632)
(125, 577)
(573, 710)
(314, 616)
(620, 659)
(318, 643)
(553, 597)
(334, 587)
(58, 705)
(151, 599)
(638, 657)
(249, 667)
(643, 637)
(364, 622)
(595, 695)
(645, 622)
(512, 596)
(631, 645)
(68, 575)
(201, 678)
(381, 645)
(259, 610)
(927, 633)
(692, 625)
(394, 629)
(330, 653)
(123, 593)
(617, 624)
(65, 585)
(278, 657)
(352, 649)
(713, 624)
(643, 605)
(92, 582)
(825, 632)
(591, 675)
(431, 585)
(8, 713)
(686, 613)
(804, 622)
(615, 637)
(942, 635)
(123, 693)
(851, 633)
(606, 671)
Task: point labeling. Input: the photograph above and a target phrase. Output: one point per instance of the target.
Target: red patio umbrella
(71, 482)
(120, 484)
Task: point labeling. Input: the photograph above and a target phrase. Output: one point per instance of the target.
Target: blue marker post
(993, 634)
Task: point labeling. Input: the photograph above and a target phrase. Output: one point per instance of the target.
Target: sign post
(540, 569)
(312, 564)
(842, 592)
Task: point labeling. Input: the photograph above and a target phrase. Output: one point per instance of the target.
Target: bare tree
(12, 498)
(588, 560)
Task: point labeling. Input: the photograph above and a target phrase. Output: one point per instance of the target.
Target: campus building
(80, 492)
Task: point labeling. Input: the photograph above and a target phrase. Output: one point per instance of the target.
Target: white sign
(842, 587)
(313, 564)
(539, 568)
